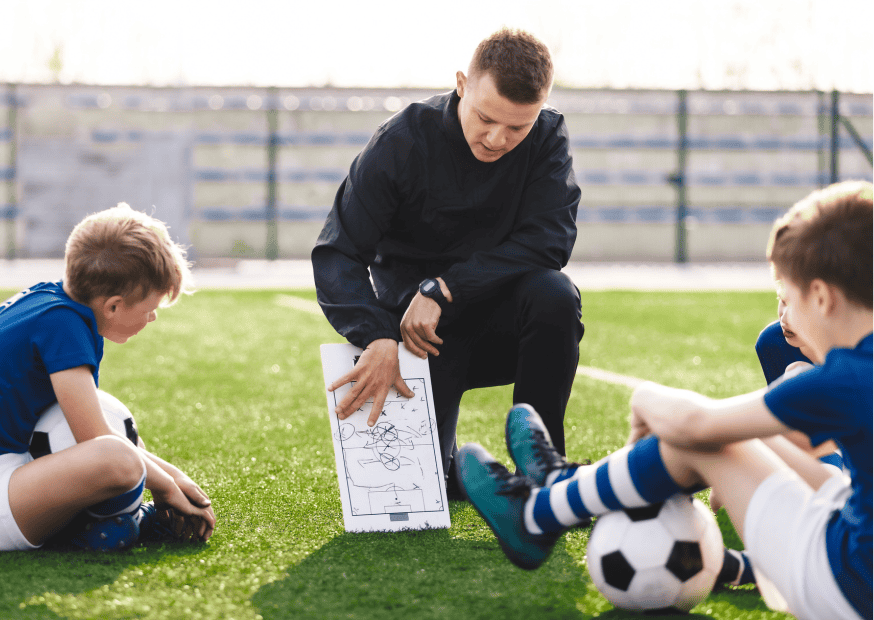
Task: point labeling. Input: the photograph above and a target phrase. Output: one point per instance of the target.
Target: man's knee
(550, 296)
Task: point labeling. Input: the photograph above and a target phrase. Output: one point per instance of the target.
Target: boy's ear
(825, 296)
(110, 305)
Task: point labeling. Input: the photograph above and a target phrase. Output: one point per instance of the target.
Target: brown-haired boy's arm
(170, 487)
(690, 420)
(77, 395)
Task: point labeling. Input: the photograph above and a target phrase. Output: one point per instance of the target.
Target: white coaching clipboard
(390, 474)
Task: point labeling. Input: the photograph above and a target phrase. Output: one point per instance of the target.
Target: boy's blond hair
(124, 252)
(828, 236)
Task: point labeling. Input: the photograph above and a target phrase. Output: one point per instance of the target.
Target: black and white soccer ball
(665, 556)
(52, 433)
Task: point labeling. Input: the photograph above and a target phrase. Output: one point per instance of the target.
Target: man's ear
(460, 83)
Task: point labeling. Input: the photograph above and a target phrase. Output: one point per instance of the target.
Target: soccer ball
(53, 434)
(666, 556)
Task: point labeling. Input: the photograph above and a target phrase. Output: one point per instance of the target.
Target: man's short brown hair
(519, 64)
(828, 236)
(124, 252)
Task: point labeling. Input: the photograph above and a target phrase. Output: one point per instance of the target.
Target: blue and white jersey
(834, 401)
(42, 331)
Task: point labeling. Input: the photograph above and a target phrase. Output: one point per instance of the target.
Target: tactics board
(391, 474)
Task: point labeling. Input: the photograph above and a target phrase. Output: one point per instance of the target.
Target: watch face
(428, 286)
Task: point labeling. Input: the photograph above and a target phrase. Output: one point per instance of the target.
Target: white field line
(609, 377)
(290, 301)
(312, 307)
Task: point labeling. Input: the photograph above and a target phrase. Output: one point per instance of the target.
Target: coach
(462, 209)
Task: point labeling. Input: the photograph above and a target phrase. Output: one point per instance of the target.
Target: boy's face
(789, 334)
(122, 321)
(798, 318)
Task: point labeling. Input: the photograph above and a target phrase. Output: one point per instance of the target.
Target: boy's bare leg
(736, 470)
(805, 463)
(46, 494)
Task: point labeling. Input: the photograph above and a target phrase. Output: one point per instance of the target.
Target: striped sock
(560, 475)
(632, 477)
(120, 504)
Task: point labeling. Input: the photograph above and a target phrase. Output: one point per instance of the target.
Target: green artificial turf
(228, 386)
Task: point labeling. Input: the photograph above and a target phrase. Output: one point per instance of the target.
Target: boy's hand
(639, 428)
(194, 518)
(796, 368)
(192, 491)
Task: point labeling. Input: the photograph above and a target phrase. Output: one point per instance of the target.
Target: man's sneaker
(112, 534)
(530, 445)
(500, 497)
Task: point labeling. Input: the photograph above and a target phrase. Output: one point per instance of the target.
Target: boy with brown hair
(120, 266)
(808, 533)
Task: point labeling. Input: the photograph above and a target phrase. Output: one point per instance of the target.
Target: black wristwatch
(431, 288)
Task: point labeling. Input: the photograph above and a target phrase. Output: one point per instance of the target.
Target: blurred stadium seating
(200, 158)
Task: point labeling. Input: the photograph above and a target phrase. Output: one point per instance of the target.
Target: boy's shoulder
(837, 394)
(38, 300)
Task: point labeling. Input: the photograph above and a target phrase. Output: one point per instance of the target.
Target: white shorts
(11, 538)
(785, 538)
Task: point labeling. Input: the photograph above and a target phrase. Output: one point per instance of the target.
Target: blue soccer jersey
(42, 331)
(834, 401)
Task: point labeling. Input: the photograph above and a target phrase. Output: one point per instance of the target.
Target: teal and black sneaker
(500, 496)
(530, 447)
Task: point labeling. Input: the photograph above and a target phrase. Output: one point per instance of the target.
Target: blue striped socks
(120, 504)
(632, 477)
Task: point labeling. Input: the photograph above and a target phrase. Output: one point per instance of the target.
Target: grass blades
(227, 385)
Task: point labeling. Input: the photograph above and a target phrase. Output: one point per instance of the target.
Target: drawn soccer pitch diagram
(390, 475)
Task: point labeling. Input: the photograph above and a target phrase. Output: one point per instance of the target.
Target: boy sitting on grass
(808, 533)
(778, 347)
(121, 265)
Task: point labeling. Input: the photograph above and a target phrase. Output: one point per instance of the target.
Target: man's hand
(419, 324)
(376, 372)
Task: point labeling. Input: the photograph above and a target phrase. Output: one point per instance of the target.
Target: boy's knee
(120, 465)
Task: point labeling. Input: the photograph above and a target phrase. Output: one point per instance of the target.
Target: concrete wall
(198, 158)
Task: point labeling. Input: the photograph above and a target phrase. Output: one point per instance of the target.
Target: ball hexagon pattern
(665, 556)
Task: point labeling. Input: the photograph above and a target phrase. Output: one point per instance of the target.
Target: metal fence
(236, 172)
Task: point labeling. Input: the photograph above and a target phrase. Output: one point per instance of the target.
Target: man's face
(492, 124)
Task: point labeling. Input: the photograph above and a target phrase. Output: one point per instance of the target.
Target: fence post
(820, 138)
(11, 211)
(835, 116)
(272, 249)
(678, 179)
